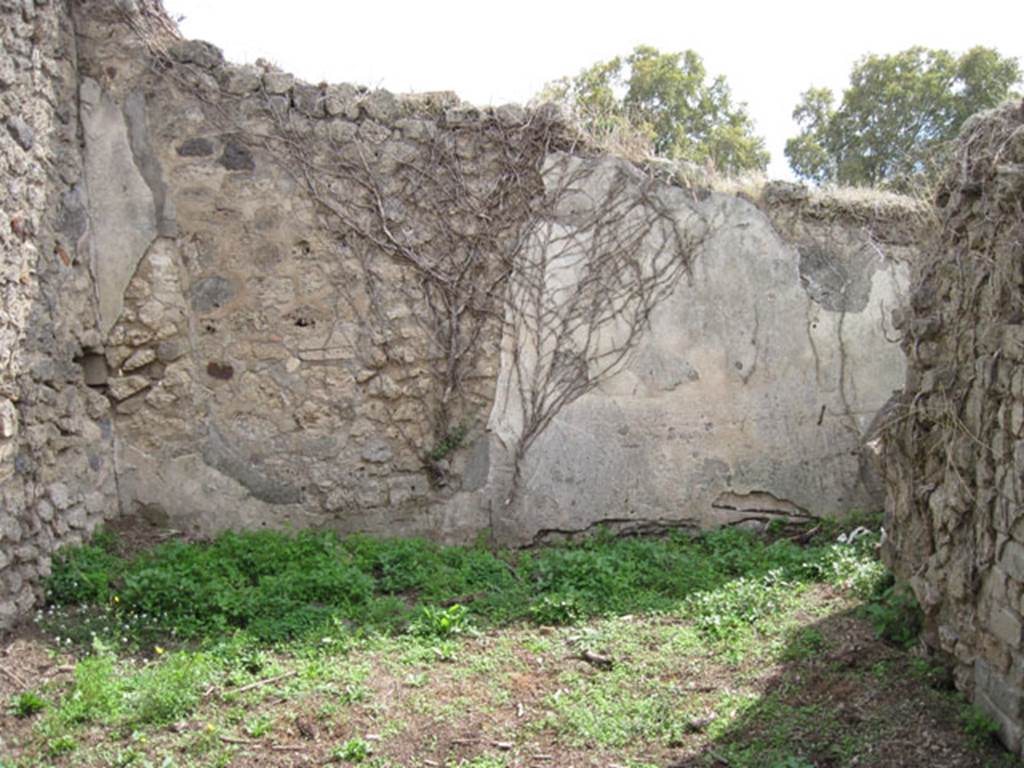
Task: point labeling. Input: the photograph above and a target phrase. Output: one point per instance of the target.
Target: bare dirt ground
(813, 687)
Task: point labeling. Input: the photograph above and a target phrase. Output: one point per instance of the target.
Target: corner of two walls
(187, 336)
(206, 327)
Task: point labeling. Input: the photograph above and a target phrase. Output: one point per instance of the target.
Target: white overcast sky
(492, 53)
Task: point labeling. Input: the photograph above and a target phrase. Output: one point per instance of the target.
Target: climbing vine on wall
(483, 236)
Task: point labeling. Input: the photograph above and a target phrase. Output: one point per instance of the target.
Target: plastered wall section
(751, 395)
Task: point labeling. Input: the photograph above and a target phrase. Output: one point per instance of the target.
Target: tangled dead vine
(600, 254)
(488, 226)
(450, 206)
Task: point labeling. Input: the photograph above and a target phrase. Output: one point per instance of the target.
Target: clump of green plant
(441, 623)
(274, 587)
(740, 603)
(792, 762)
(554, 609)
(451, 442)
(84, 574)
(96, 690)
(855, 567)
(895, 614)
(168, 690)
(106, 690)
(62, 744)
(979, 726)
(355, 750)
(610, 710)
(804, 644)
(937, 675)
(259, 725)
(27, 704)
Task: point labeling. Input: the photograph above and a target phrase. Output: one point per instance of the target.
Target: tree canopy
(897, 117)
(667, 98)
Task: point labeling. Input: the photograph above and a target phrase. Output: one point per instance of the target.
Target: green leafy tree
(897, 117)
(668, 99)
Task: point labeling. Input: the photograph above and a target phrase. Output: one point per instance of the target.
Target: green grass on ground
(268, 649)
(275, 587)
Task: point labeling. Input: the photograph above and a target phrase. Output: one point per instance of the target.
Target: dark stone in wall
(169, 351)
(198, 147)
(94, 370)
(199, 52)
(839, 284)
(222, 371)
(20, 132)
(73, 220)
(212, 293)
(237, 157)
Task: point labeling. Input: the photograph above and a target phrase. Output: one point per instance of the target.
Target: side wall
(56, 454)
(954, 449)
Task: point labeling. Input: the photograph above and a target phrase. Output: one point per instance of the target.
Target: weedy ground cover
(270, 649)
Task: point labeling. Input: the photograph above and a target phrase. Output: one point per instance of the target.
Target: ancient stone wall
(56, 455)
(236, 300)
(953, 454)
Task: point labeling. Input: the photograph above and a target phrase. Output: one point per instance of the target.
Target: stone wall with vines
(235, 299)
(309, 328)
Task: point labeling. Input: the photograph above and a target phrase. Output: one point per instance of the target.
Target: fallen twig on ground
(596, 660)
(248, 687)
(14, 678)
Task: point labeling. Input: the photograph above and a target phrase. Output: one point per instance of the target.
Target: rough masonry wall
(270, 350)
(56, 455)
(953, 454)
